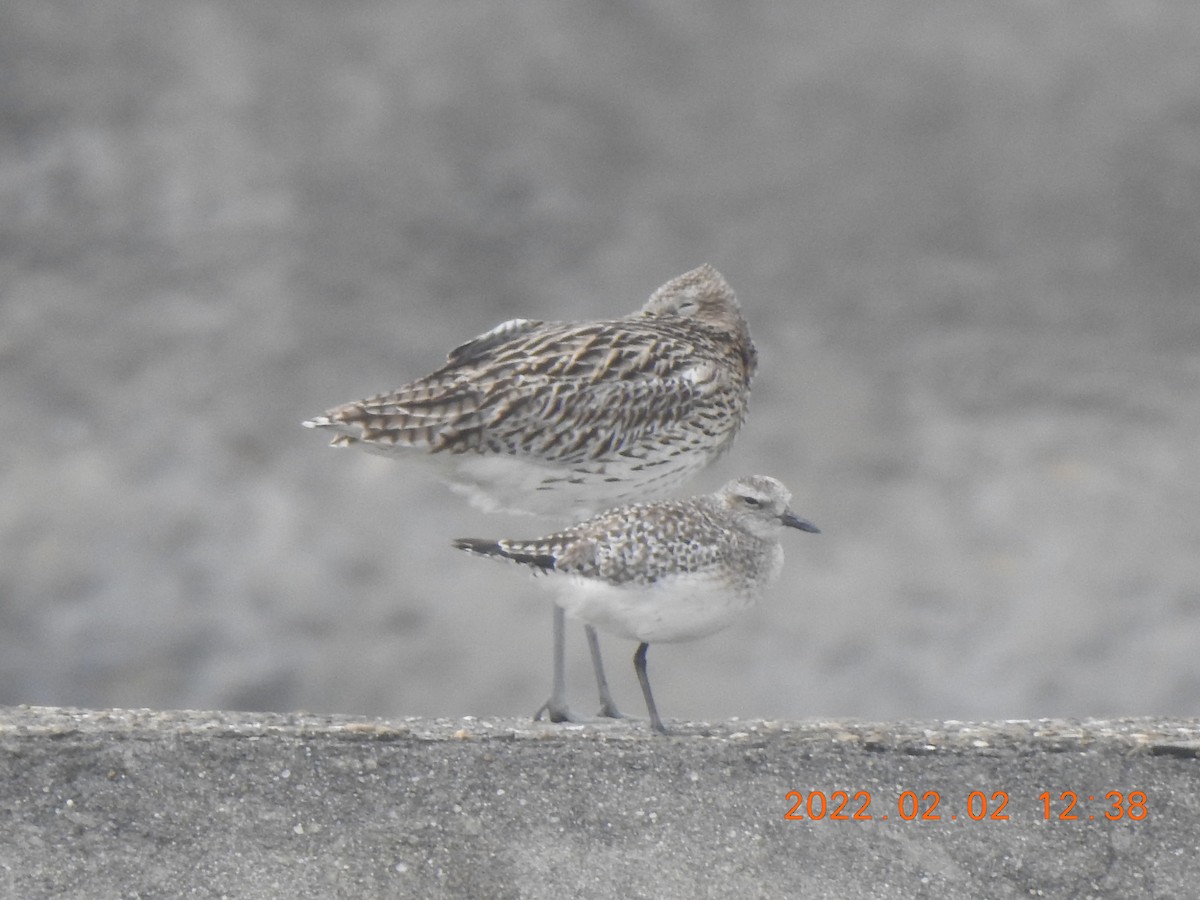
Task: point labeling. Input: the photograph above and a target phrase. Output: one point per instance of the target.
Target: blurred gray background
(966, 236)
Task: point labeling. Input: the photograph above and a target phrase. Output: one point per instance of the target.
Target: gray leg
(639, 665)
(608, 708)
(556, 707)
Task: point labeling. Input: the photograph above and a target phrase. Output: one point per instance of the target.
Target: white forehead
(761, 487)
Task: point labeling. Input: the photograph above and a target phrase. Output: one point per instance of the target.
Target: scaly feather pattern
(733, 533)
(671, 571)
(594, 412)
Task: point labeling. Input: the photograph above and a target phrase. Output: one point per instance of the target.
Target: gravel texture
(121, 804)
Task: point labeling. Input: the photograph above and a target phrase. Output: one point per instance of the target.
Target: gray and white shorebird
(663, 572)
(563, 419)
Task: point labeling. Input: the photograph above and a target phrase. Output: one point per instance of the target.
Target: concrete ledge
(160, 804)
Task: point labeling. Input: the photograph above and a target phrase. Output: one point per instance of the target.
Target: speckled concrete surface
(114, 803)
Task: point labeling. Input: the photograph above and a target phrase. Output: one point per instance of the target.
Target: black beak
(792, 520)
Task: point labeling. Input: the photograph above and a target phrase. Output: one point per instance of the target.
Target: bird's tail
(539, 562)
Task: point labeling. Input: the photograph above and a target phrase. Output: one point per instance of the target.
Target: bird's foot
(556, 710)
(608, 710)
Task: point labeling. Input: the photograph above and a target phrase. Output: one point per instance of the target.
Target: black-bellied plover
(563, 419)
(663, 572)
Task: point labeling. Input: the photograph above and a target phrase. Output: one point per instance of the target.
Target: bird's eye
(688, 308)
(752, 502)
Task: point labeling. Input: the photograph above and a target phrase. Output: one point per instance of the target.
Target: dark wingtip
(486, 547)
(482, 546)
(542, 561)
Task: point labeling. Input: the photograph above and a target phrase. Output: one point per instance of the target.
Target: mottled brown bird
(563, 419)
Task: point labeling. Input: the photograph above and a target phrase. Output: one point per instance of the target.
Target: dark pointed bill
(792, 520)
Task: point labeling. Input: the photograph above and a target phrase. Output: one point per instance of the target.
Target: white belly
(672, 609)
(512, 484)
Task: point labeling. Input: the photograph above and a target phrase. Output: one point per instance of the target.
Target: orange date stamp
(976, 806)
